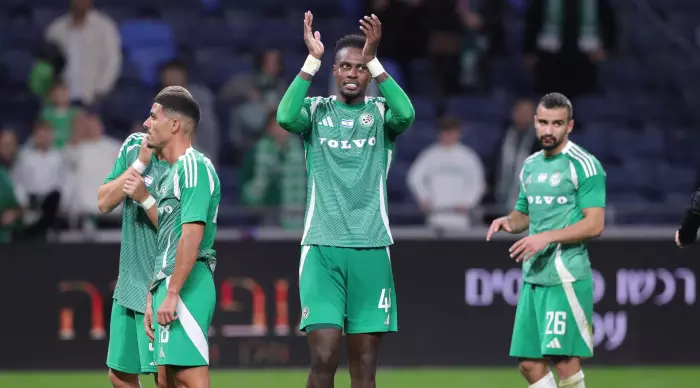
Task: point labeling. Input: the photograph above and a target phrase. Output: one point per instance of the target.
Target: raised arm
(111, 193)
(400, 115)
(293, 113)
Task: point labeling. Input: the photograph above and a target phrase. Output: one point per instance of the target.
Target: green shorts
(352, 288)
(130, 350)
(185, 342)
(554, 321)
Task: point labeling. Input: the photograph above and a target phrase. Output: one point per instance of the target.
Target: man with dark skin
(345, 278)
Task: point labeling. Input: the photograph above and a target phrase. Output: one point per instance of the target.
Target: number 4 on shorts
(385, 300)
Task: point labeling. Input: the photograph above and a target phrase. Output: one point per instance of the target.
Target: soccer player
(130, 351)
(345, 277)
(562, 202)
(182, 294)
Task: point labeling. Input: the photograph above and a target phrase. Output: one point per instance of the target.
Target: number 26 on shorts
(385, 300)
(556, 322)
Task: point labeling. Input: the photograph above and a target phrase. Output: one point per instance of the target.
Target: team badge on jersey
(555, 179)
(366, 119)
(148, 180)
(347, 123)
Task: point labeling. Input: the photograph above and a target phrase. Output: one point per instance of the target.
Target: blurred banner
(455, 301)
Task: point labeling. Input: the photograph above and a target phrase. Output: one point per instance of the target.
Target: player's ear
(571, 126)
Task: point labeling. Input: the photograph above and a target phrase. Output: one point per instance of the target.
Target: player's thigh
(567, 310)
(525, 342)
(371, 292)
(123, 350)
(190, 377)
(322, 286)
(146, 353)
(185, 341)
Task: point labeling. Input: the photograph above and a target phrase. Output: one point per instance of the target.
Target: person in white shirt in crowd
(40, 173)
(90, 41)
(447, 179)
(91, 155)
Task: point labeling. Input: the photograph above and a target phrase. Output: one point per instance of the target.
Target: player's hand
(372, 28)
(526, 247)
(166, 312)
(311, 38)
(9, 217)
(148, 318)
(146, 153)
(497, 225)
(678, 242)
(135, 187)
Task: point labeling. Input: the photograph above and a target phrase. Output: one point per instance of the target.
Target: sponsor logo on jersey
(366, 119)
(348, 144)
(327, 122)
(165, 209)
(347, 123)
(555, 179)
(547, 200)
(148, 180)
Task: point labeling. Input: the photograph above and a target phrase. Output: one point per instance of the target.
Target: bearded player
(345, 277)
(135, 171)
(562, 202)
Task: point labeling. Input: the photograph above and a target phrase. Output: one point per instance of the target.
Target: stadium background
(635, 109)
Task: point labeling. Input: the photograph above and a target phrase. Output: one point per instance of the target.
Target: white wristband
(311, 65)
(375, 68)
(138, 166)
(148, 202)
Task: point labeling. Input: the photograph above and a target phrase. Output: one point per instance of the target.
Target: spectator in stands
(519, 141)
(10, 209)
(447, 179)
(91, 44)
(60, 114)
(251, 96)
(47, 68)
(41, 172)
(565, 40)
(207, 136)
(8, 148)
(274, 175)
(91, 156)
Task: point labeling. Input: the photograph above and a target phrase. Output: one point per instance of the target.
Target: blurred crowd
(49, 179)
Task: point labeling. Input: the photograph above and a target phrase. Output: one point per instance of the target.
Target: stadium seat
(478, 109)
(18, 63)
(148, 43)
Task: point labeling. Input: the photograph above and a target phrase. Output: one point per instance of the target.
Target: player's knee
(363, 366)
(567, 366)
(533, 370)
(324, 358)
(122, 380)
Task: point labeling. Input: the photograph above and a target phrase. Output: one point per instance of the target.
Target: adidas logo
(554, 344)
(327, 122)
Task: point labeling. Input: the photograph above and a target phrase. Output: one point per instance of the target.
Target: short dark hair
(177, 99)
(557, 100)
(41, 124)
(351, 40)
(449, 123)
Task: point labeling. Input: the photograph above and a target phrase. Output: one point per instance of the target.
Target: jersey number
(556, 322)
(385, 300)
(164, 334)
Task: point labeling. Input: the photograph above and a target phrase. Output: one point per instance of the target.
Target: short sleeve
(196, 186)
(122, 162)
(521, 204)
(591, 184)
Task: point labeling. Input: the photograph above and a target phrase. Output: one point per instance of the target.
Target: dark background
(455, 301)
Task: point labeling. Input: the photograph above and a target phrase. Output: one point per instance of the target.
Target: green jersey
(348, 151)
(553, 192)
(188, 192)
(138, 243)
(8, 201)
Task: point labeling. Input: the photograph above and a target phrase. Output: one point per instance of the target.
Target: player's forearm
(186, 255)
(518, 222)
(153, 215)
(688, 231)
(110, 195)
(289, 111)
(402, 112)
(586, 229)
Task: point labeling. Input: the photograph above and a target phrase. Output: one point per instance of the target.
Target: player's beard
(552, 142)
(350, 94)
